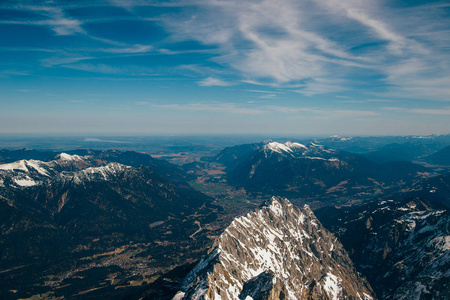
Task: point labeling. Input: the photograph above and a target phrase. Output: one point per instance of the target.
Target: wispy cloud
(379, 100)
(268, 96)
(130, 50)
(263, 40)
(287, 109)
(213, 107)
(142, 103)
(367, 14)
(52, 16)
(62, 60)
(260, 91)
(363, 101)
(354, 113)
(233, 108)
(110, 69)
(349, 101)
(445, 112)
(275, 43)
(307, 47)
(425, 111)
(211, 81)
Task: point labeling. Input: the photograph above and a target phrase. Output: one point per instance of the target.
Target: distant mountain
(402, 247)
(312, 170)
(275, 252)
(100, 157)
(54, 212)
(7, 156)
(399, 152)
(233, 156)
(374, 143)
(441, 157)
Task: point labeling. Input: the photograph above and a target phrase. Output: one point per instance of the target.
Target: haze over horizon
(192, 67)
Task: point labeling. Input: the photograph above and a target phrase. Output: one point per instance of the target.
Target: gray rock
(278, 251)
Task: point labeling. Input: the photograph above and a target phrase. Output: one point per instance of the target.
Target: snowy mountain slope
(308, 151)
(26, 173)
(402, 247)
(83, 158)
(275, 252)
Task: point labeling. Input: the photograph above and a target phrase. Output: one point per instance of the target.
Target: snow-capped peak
(65, 156)
(286, 147)
(15, 166)
(340, 138)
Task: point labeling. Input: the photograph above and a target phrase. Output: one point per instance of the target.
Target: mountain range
(71, 211)
(313, 171)
(88, 224)
(402, 246)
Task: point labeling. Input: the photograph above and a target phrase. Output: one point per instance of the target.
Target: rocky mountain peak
(278, 251)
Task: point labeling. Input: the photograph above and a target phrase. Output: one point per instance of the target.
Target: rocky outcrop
(402, 247)
(276, 252)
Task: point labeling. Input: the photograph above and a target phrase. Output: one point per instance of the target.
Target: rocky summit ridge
(278, 251)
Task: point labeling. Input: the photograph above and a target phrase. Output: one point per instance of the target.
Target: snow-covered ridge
(26, 173)
(340, 138)
(297, 150)
(65, 156)
(26, 166)
(286, 147)
(103, 173)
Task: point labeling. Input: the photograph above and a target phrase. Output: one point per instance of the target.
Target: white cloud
(261, 91)
(110, 69)
(210, 81)
(264, 41)
(130, 50)
(310, 47)
(325, 46)
(55, 18)
(268, 96)
(60, 60)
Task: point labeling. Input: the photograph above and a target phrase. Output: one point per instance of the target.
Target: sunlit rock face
(278, 251)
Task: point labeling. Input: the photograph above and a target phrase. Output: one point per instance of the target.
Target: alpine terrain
(313, 172)
(278, 251)
(401, 246)
(94, 221)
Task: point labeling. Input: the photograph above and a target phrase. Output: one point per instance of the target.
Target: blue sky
(276, 67)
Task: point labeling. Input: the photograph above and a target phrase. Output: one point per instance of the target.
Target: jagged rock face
(276, 252)
(403, 248)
